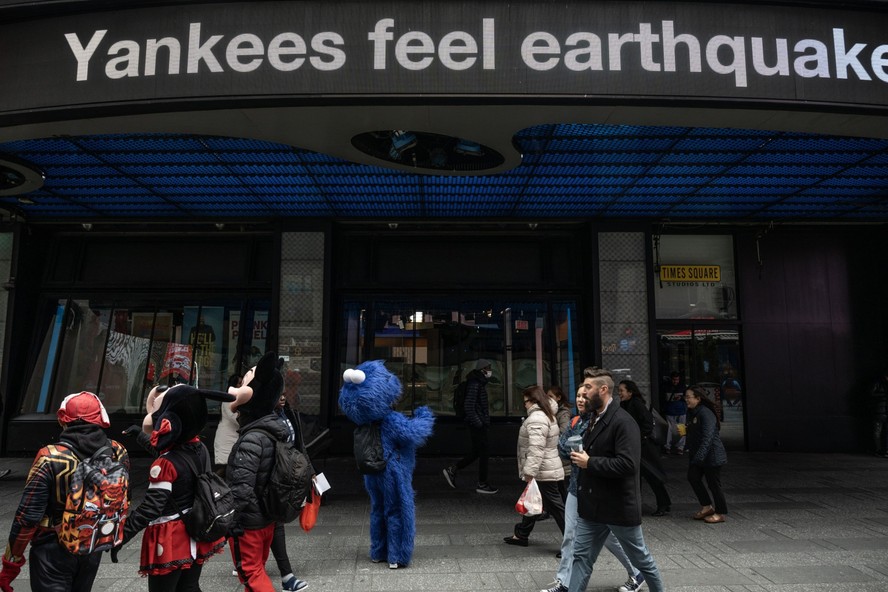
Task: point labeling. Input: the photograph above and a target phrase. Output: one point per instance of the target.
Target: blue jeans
(567, 544)
(590, 539)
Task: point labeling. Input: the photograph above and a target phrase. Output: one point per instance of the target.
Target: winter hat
(86, 406)
(261, 389)
(181, 414)
(482, 364)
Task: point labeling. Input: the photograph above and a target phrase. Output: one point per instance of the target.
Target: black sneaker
(450, 476)
(486, 489)
(556, 587)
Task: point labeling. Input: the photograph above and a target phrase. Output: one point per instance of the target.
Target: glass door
(709, 357)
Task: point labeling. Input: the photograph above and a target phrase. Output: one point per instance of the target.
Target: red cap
(85, 406)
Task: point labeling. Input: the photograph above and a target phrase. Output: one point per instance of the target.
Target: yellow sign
(690, 273)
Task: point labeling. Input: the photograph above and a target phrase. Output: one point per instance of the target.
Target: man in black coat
(609, 490)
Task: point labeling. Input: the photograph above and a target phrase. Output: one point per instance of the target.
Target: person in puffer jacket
(249, 467)
(538, 459)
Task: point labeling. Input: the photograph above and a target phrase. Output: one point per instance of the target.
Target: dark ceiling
(567, 171)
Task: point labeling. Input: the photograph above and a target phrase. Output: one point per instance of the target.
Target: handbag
(309, 516)
(531, 501)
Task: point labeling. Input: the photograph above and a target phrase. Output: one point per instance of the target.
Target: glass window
(121, 352)
(694, 277)
(433, 345)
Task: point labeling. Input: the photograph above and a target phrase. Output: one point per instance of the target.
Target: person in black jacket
(478, 421)
(608, 491)
(632, 401)
(249, 467)
(706, 454)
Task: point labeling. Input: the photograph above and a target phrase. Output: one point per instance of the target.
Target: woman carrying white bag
(538, 459)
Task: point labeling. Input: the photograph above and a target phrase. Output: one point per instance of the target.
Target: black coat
(650, 451)
(249, 465)
(609, 490)
(704, 445)
(477, 410)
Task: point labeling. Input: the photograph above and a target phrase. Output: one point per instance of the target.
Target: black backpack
(214, 508)
(289, 483)
(459, 399)
(368, 449)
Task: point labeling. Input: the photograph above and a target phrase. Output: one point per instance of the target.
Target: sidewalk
(797, 522)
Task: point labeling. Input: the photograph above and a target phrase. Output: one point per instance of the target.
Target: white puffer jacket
(538, 446)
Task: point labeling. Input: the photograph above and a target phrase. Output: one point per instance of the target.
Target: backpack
(368, 449)
(214, 508)
(97, 503)
(289, 482)
(459, 399)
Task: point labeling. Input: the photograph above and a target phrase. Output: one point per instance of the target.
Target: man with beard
(609, 489)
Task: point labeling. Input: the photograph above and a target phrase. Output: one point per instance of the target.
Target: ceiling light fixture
(18, 177)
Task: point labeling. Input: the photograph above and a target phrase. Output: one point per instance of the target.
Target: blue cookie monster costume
(369, 395)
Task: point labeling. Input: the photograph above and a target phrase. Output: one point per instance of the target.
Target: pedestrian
(289, 581)
(652, 471)
(706, 455)
(250, 464)
(879, 402)
(675, 411)
(608, 499)
(575, 430)
(171, 559)
(226, 431)
(478, 421)
(538, 460)
(39, 515)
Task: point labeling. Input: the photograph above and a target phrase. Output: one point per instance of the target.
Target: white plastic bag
(531, 501)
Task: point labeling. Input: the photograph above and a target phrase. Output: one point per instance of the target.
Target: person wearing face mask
(478, 421)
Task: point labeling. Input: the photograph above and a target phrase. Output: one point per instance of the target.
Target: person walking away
(249, 467)
(706, 456)
(652, 471)
(171, 559)
(675, 411)
(290, 422)
(39, 514)
(538, 459)
(575, 431)
(608, 499)
(879, 401)
(478, 422)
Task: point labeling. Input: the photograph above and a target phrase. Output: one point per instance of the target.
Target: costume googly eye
(354, 376)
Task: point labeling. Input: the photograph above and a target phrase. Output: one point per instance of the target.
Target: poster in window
(202, 330)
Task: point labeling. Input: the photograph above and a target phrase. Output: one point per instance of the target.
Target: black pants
(54, 569)
(479, 451)
(279, 550)
(553, 503)
(663, 500)
(713, 479)
(180, 580)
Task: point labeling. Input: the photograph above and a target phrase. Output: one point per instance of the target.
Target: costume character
(39, 514)
(170, 558)
(368, 396)
(249, 466)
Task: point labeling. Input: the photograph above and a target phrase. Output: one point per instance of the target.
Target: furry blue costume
(369, 395)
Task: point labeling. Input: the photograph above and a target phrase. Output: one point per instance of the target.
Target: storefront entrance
(709, 357)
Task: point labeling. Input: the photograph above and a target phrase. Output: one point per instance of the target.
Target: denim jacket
(574, 428)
